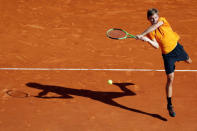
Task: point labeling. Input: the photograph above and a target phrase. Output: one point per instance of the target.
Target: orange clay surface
(71, 34)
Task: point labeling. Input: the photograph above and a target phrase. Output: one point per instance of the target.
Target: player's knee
(170, 77)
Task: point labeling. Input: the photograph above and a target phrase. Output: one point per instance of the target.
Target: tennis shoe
(171, 111)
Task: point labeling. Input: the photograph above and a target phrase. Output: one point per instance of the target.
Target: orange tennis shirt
(165, 36)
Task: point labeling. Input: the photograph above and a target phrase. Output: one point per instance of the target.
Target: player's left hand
(139, 36)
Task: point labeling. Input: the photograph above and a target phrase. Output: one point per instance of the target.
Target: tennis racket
(118, 34)
(18, 94)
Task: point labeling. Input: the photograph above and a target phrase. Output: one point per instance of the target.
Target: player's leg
(183, 56)
(169, 64)
(170, 79)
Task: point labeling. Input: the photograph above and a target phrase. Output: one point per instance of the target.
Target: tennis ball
(110, 82)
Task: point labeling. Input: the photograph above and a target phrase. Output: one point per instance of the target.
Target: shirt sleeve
(165, 22)
(151, 35)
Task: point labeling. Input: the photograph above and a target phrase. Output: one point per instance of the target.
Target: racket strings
(116, 34)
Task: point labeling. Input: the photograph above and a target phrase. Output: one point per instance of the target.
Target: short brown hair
(151, 12)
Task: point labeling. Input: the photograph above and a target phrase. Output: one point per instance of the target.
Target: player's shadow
(105, 97)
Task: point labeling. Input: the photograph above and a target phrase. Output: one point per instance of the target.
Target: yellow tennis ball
(110, 82)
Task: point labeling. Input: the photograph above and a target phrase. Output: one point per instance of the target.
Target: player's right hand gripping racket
(118, 34)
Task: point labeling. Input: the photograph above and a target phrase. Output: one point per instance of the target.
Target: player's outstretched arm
(150, 29)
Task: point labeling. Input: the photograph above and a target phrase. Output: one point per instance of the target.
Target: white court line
(79, 69)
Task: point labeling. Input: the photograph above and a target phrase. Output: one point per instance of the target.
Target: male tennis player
(161, 34)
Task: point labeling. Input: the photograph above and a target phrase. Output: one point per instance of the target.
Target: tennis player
(160, 34)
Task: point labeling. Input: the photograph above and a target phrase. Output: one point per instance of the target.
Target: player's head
(153, 15)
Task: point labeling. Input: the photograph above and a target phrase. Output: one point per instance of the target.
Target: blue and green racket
(118, 34)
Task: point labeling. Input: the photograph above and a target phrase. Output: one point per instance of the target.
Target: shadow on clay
(104, 97)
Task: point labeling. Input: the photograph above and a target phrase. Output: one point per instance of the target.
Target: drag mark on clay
(35, 26)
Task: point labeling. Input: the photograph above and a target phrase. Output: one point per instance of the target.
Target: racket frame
(126, 36)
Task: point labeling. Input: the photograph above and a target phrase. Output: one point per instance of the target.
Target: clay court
(42, 39)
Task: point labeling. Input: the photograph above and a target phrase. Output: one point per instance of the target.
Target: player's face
(153, 19)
